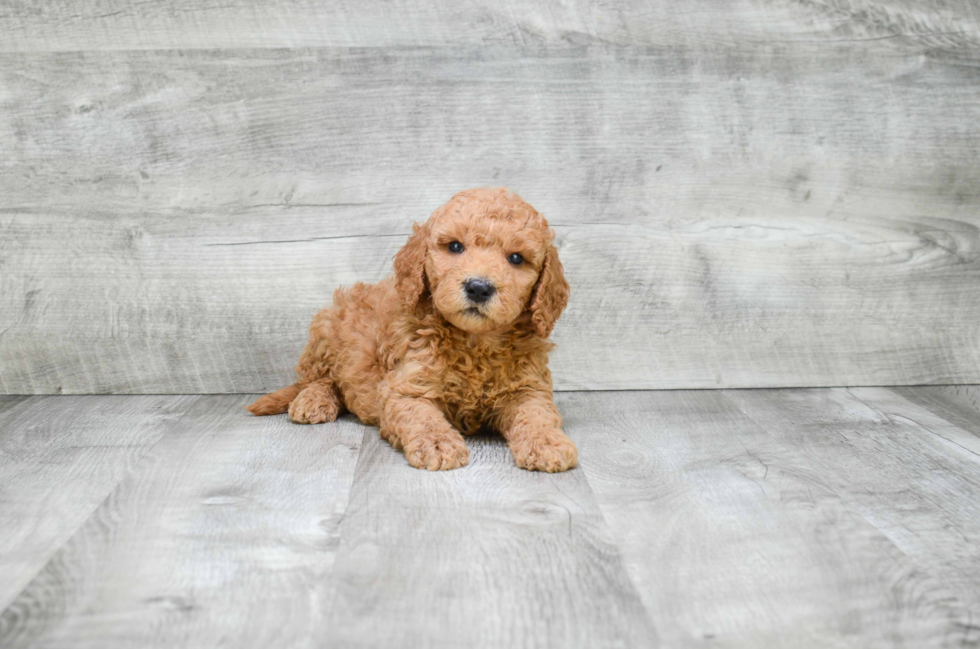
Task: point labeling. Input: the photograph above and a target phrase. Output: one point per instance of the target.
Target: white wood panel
(729, 216)
(116, 24)
(959, 433)
(489, 555)
(59, 459)
(738, 535)
(960, 404)
(911, 474)
(751, 518)
(221, 536)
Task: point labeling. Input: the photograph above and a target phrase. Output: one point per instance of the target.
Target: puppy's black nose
(478, 290)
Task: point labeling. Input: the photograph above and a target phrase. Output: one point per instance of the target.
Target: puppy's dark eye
(456, 247)
(515, 258)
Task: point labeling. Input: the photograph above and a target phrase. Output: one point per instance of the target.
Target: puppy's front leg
(530, 423)
(419, 427)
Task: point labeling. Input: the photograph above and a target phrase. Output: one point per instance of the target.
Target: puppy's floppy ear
(410, 266)
(550, 295)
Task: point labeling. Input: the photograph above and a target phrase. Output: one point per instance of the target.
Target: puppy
(455, 341)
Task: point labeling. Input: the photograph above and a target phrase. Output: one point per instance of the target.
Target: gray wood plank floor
(739, 518)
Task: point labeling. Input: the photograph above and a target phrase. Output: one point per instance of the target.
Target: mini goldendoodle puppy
(456, 340)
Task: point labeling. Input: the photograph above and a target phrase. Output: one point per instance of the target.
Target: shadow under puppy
(456, 340)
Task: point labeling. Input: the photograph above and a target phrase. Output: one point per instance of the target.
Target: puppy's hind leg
(316, 403)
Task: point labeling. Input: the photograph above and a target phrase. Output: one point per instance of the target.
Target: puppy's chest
(473, 386)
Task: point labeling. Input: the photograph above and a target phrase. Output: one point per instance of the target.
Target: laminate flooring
(834, 517)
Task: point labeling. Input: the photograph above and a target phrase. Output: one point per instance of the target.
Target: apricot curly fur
(414, 355)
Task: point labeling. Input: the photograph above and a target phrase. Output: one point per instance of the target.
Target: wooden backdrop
(746, 193)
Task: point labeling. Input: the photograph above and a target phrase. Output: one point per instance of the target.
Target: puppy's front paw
(314, 405)
(550, 452)
(437, 452)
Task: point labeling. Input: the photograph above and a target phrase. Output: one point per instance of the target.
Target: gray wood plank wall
(772, 193)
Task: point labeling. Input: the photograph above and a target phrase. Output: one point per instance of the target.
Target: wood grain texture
(960, 430)
(741, 536)
(115, 24)
(221, 536)
(910, 474)
(59, 459)
(489, 555)
(960, 404)
(730, 215)
(751, 518)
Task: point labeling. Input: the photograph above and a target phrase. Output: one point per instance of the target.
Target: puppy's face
(487, 258)
(482, 268)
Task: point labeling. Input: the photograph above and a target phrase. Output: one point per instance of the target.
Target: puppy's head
(486, 259)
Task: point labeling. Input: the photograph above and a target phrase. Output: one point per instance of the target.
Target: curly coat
(417, 355)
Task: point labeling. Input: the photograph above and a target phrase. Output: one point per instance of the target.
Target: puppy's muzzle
(478, 290)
